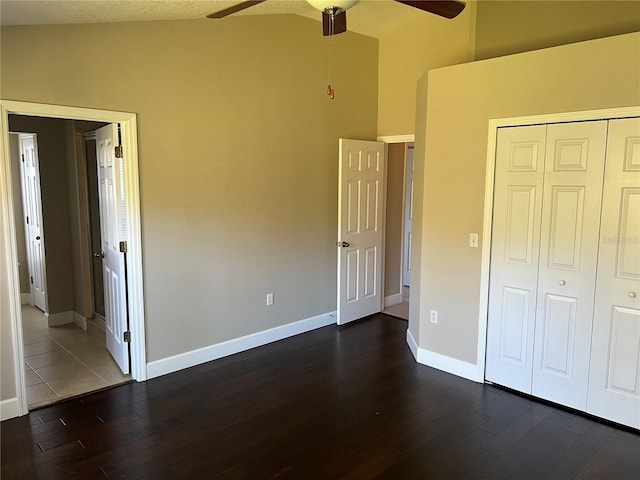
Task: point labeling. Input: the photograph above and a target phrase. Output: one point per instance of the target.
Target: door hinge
(22, 154)
(31, 278)
(127, 336)
(123, 246)
(118, 150)
(27, 219)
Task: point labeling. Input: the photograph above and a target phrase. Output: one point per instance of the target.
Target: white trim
(80, 321)
(60, 318)
(408, 138)
(26, 298)
(450, 365)
(128, 124)
(444, 363)
(236, 345)
(9, 409)
(413, 346)
(10, 254)
(494, 124)
(394, 299)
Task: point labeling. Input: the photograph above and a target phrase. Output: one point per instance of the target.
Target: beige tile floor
(63, 361)
(400, 310)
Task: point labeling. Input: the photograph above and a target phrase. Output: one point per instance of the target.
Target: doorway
(64, 346)
(130, 214)
(398, 228)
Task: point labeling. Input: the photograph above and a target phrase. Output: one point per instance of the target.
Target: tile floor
(63, 361)
(400, 310)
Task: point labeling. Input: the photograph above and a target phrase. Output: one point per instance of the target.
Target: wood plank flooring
(339, 402)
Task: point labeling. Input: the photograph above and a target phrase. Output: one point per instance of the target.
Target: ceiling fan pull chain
(330, 90)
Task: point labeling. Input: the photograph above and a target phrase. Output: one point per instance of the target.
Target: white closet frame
(494, 124)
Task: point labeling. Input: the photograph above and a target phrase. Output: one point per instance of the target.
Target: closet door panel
(574, 166)
(614, 379)
(514, 255)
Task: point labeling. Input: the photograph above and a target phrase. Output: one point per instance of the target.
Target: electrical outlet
(473, 240)
(434, 316)
(269, 299)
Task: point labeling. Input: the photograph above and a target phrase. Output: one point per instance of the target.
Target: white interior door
(408, 215)
(520, 154)
(614, 379)
(112, 226)
(32, 202)
(574, 169)
(360, 229)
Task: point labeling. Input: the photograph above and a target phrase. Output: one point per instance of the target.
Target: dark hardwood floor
(339, 402)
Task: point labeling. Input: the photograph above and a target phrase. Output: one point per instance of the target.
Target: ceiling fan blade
(333, 25)
(234, 8)
(443, 8)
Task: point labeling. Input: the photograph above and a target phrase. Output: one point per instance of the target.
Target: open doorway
(398, 229)
(130, 245)
(65, 353)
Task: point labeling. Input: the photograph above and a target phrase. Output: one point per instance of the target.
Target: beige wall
(591, 75)
(23, 268)
(395, 220)
(507, 27)
(238, 157)
(405, 54)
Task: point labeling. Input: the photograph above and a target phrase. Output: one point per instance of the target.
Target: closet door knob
(632, 294)
(562, 283)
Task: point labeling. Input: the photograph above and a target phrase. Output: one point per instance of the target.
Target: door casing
(128, 124)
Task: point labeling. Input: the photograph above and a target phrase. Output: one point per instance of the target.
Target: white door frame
(128, 123)
(494, 124)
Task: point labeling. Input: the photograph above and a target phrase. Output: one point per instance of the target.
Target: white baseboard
(80, 321)
(413, 346)
(61, 318)
(444, 363)
(26, 299)
(394, 299)
(223, 349)
(9, 409)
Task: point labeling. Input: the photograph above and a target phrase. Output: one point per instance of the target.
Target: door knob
(562, 283)
(342, 244)
(99, 254)
(632, 294)
(37, 237)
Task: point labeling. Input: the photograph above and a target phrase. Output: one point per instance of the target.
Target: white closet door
(520, 153)
(574, 167)
(614, 380)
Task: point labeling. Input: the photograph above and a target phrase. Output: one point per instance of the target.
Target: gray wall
(14, 151)
(54, 186)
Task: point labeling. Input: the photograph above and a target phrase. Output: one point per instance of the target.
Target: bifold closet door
(614, 379)
(574, 168)
(520, 154)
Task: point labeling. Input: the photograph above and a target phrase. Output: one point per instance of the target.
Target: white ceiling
(373, 18)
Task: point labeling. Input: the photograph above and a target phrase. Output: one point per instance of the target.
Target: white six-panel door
(360, 229)
(110, 196)
(572, 199)
(614, 379)
(32, 202)
(520, 154)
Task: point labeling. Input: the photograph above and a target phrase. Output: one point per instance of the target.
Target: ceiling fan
(334, 12)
